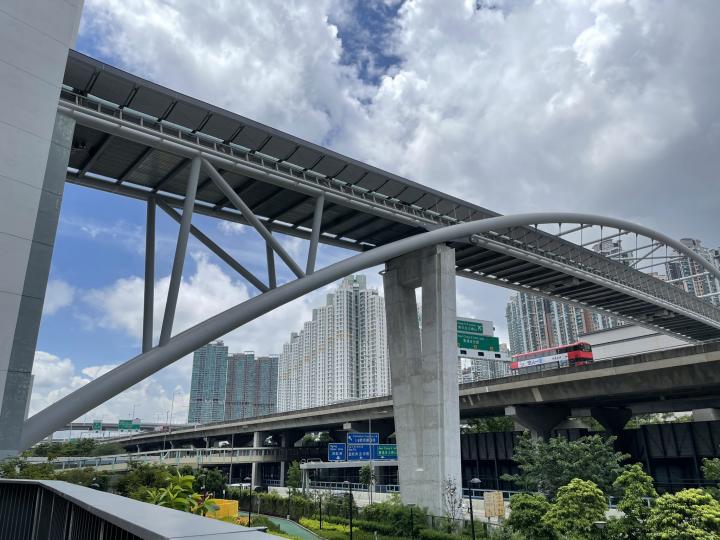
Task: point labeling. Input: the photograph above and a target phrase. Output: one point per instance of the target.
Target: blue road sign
(382, 452)
(337, 452)
(363, 438)
(358, 452)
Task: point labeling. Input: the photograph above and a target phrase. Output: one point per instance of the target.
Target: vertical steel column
(270, 255)
(180, 249)
(248, 214)
(317, 222)
(149, 297)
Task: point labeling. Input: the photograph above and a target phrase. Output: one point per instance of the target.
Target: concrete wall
(628, 340)
(34, 39)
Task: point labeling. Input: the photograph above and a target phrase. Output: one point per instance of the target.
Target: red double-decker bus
(575, 354)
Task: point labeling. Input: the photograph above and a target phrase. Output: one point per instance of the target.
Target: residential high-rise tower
(340, 354)
(231, 386)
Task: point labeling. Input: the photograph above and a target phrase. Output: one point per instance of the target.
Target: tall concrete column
(424, 373)
(34, 148)
(255, 471)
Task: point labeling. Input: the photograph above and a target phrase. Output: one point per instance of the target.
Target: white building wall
(628, 340)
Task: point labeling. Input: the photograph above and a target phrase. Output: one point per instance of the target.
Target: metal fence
(54, 510)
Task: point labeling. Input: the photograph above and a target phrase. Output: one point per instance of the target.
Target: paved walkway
(292, 528)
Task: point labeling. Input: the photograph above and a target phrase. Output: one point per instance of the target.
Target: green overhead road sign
(97, 425)
(127, 424)
(474, 341)
(469, 326)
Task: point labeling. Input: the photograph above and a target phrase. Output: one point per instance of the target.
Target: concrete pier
(34, 150)
(423, 365)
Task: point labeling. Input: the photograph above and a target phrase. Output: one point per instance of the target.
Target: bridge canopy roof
(279, 176)
(89, 77)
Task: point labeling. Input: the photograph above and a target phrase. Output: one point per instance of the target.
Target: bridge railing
(545, 245)
(199, 455)
(255, 159)
(341, 487)
(54, 510)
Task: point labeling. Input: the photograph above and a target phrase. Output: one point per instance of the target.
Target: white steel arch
(107, 386)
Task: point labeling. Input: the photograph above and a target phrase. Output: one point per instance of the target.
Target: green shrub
(526, 513)
(577, 507)
(430, 534)
(690, 513)
(395, 515)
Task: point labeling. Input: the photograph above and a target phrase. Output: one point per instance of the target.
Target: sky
(604, 106)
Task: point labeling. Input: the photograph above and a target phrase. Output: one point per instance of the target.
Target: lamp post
(248, 480)
(473, 482)
(412, 524)
(320, 507)
(349, 485)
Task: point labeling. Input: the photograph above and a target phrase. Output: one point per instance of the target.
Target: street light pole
(412, 524)
(474, 481)
(349, 484)
(248, 479)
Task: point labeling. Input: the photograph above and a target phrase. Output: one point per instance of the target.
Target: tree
(578, 506)
(87, 477)
(546, 466)
(208, 481)
(711, 472)
(635, 487)
(20, 468)
(491, 424)
(367, 477)
(452, 502)
(526, 513)
(139, 477)
(690, 514)
(294, 477)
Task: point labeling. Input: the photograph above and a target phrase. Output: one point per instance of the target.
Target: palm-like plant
(202, 504)
(177, 495)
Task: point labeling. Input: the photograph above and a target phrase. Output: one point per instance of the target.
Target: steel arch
(135, 370)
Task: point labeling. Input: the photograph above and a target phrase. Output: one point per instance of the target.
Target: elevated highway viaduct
(611, 391)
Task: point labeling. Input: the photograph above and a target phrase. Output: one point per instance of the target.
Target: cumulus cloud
(231, 228)
(56, 377)
(591, 105)
(59, 294)
(206, 291)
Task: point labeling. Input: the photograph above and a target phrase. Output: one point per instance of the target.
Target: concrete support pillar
(539, 420)
(613, 419)
(424, 373)
(35, 36)
(284, 442)
(256, 470)
(283, 473)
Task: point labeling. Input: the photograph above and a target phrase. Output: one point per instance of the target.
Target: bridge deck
(279, 177)
(671, 380)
